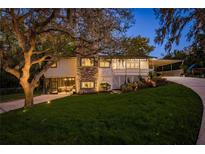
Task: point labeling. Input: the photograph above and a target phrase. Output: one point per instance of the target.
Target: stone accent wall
(86, 74)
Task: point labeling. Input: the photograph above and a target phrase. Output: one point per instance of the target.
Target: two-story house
(85, 74)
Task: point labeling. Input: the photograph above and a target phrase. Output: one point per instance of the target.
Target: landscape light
(24, 110)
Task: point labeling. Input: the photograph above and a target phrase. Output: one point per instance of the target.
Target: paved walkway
(8, 106)
(197, 85)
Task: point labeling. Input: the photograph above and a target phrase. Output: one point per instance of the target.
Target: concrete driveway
(197, 85)
(8, 106)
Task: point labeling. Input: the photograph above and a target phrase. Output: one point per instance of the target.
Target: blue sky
(145, 25)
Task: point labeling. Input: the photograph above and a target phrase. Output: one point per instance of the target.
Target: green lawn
(168, 114)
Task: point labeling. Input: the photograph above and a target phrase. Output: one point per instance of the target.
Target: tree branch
(41, 73)
(38, 52)
(40, 59)
(12, 71)
(21, 18)
(18, 34)
(44, 23)
(67, 32)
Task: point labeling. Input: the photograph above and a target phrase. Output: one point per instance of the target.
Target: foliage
(192, 55)
(160, 81)
(168, 114)
(176, 54)
(128, 87)
(134, 86)
(173, 22)
(7, 80)
(33, 39)
(136, 46)
(105, 86)
(152, 74)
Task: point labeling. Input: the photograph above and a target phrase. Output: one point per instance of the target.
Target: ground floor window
(87, 84)
(57, 85)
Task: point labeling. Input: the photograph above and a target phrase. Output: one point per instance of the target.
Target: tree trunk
(28, 92)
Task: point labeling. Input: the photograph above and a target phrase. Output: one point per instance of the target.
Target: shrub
(105, 86)
(160, 81)
(127, 87)
(141, 84)
(154, 74)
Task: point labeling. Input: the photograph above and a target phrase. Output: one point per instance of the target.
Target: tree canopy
(136, 46)
(172, 23)
(33, 39)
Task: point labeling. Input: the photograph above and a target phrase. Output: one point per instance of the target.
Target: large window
(125, 63)
(87, 62)
(87, 85)
(132, 63)
(104, 63)
(144, 64)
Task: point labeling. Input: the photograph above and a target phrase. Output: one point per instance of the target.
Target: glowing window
(87, 62)
(104, 63)
(87, 84)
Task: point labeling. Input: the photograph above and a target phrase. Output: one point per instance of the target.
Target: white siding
(104, 75)
(66, 67)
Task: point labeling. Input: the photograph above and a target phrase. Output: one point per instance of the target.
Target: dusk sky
(145, 25)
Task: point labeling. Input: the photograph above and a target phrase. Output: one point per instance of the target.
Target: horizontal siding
(65, 68)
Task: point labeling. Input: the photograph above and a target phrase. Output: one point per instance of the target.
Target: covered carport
(167, 67)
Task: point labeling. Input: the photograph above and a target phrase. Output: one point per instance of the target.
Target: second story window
(104, 63)
(87, 62)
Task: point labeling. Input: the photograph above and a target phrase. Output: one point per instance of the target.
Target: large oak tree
(31, 40)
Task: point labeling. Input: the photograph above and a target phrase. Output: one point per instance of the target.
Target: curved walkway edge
(17, 104)
(197, 85)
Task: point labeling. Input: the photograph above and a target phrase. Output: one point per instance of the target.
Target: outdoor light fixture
(24, 110)
(48, 102)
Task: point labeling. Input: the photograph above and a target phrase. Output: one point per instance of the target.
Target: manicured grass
(168, 114)
(12, 97)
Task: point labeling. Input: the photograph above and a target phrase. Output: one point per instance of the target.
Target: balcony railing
(130, 71)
